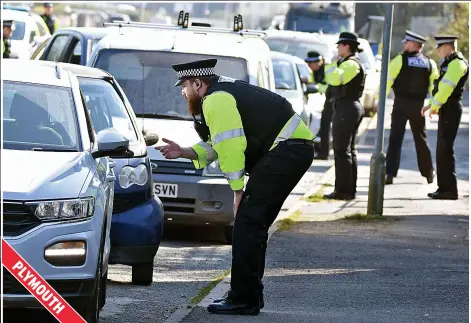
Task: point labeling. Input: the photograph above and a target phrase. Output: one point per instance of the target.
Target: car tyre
(104, 284)
(142, 274)
(228, 235)
(91, 311)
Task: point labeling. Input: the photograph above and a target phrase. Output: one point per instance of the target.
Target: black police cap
(349, 38)
(7, 23)
(313, 57)
(411, 36)
(203, 68)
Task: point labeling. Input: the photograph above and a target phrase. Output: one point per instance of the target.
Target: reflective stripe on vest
(235, 175)
(289, 130)
(229, 134)
(212, 154)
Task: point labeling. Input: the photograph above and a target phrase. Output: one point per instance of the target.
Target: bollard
(378, 159)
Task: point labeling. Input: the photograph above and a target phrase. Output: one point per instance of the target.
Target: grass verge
(287, 223)
(362, 217)
(208, 288)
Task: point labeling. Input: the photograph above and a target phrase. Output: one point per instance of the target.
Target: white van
(141, 59)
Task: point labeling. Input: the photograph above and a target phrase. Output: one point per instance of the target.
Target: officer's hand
(424, 109)
(237, 198)
(170, 151)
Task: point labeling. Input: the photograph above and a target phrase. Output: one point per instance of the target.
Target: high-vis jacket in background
(449, 87)
(346, 78)
(411, 76)
(245, 122)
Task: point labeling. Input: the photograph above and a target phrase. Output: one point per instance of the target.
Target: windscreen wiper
(162, 116)
(55, 149)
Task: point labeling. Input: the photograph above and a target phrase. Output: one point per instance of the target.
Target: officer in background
(249, 130)
(346, 78)
(6, 44)
(49, 18)
(316, 63)
(411, 75)
(446, 101)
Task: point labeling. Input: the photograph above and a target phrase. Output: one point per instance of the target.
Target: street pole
(378, 159)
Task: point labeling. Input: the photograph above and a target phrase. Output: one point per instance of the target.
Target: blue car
(137, 225)
(58, 186)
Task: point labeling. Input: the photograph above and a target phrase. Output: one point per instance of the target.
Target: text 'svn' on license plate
(166, 190)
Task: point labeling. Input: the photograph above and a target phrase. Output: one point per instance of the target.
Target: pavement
(411, 265)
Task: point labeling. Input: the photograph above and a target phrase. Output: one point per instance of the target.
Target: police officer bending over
(250, 130)
(411, 75)
(346, 77)
(447, 93)
(316, 63)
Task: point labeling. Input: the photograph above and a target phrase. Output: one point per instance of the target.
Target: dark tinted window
(150, 87)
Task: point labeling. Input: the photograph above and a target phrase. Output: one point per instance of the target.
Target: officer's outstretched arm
(456, 69)
(227, 135)
(433, 75)
(342, 74)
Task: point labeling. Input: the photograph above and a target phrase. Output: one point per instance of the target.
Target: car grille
(18, 218)
(177, 168)
(178, 205)
(12, 286)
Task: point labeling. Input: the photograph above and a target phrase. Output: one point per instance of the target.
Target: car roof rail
(183, 24)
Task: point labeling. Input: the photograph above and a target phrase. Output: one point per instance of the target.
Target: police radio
(201, 128)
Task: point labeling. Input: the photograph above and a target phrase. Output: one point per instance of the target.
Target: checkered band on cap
(445, 41)
(195, 72)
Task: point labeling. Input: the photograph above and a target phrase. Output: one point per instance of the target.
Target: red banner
(37, 286)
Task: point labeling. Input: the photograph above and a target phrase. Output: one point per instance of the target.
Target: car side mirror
(311, 89)
(150, 138)
(110, 143)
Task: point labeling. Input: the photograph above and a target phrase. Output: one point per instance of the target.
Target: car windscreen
(285, 77)
(296, 47)
(148, 79)
(106, 108)
(317, 22)
(18, 31)
(37, 116)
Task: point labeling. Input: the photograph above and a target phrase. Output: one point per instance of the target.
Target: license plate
(166, 190)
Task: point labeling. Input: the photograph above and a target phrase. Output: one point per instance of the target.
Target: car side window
(32, 34)
(76, 52)
(57, 48)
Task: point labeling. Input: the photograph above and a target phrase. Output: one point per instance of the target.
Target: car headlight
(133, 175)
(65, 210)
(213, 169)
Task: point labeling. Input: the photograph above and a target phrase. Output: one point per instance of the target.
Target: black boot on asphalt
(262, 302)
(443, 195)
(231, 307)
(337, 196)
(389, 180)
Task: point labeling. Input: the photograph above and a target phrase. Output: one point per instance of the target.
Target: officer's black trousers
(346, 120)
(270, 182)
(408, 110)
(324, 129)
(448, 124)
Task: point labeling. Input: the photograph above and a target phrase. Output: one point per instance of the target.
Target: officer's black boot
(389, 180)
(262, 302)
(232, 307)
